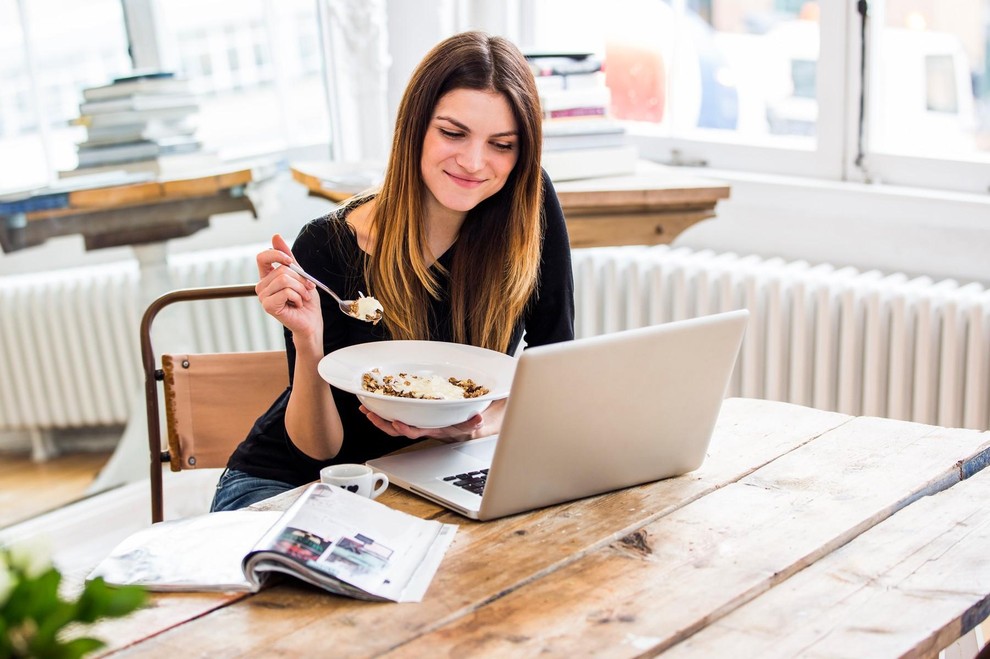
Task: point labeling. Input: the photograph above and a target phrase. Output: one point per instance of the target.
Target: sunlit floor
(29, 488)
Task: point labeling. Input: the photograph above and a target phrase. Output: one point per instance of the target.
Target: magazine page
(200, 553)
(352, 545)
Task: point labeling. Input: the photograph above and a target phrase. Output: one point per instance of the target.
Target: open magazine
(331, 538)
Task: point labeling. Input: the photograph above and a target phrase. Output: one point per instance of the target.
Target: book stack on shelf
(580, 139)
(141, 122)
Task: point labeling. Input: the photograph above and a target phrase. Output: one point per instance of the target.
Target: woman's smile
(470, 148)
(465, 181)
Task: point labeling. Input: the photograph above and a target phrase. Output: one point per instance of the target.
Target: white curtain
(355, 43)
(371, 48)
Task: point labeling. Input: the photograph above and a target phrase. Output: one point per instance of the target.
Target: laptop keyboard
(472, 481)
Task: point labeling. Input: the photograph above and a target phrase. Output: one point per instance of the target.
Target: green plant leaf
(59, 616)
(42, 594)
(75, 648)
(98, 600)
(35, 614)
(18, 606)
(6, 648)
(127, 601)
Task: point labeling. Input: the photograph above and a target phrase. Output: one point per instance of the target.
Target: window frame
(956, 175)
(841, 150)
(829, 159)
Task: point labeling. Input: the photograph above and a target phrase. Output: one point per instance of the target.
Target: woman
(464, 241)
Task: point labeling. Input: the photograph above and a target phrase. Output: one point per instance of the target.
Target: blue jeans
(236, 490)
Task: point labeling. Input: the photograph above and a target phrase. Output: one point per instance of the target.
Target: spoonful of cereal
(364, 308)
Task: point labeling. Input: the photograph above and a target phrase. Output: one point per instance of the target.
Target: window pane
(790, 84)
(256, 64)
(930, 94)
(35, 137)
(708, 69)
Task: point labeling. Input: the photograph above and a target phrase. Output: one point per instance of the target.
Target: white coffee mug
(356, 478)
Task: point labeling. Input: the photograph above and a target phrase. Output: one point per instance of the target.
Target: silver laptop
(585, 417)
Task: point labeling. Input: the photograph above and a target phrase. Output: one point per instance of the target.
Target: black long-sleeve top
(327, 248)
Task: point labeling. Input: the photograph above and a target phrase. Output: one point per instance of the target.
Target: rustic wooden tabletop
(805, 533)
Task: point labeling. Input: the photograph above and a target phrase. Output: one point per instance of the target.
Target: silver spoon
(352, 308)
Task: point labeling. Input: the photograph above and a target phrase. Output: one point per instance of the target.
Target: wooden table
(649, 207)
(130, 213)
(805, 533)
(139, 211)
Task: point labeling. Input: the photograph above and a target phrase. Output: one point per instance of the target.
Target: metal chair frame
(154, 375)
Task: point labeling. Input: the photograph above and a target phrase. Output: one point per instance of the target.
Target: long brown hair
(498, 247)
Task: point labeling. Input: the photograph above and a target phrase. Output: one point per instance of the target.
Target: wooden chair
(211, 400)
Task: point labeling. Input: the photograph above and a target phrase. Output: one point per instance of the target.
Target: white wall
(915, 231)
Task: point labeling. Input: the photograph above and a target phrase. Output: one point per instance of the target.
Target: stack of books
(580, 139)
(141, 122)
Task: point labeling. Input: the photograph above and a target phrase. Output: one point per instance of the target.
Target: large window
(255, 66)
(783, 86)
(48, 53)
(929, 93)
(778, 86)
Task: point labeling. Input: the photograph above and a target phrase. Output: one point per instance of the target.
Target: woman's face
(471, 146)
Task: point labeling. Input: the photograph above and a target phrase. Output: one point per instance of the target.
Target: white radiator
(224, 325)
(69, 340)
(831, 338)
(836, 339)
(68, 347)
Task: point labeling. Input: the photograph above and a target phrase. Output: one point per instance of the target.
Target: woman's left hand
(479, 425)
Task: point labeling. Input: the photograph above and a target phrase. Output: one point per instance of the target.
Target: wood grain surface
(797, 515)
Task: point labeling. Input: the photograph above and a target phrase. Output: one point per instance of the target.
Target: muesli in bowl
(426, 384)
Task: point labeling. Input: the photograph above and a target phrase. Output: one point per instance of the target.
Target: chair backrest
(211, 400)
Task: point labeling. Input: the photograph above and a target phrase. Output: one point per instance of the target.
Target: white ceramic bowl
(343, 369)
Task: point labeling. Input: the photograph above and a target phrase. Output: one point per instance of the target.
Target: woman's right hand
(286, 296)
